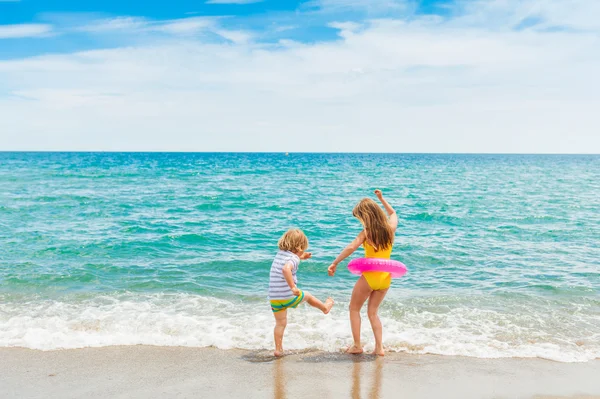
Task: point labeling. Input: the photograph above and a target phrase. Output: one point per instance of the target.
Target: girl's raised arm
(353, 246)
(388, 208)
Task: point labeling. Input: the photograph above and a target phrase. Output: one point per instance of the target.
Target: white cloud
(182, 26)
(114, 24)
(236, 36)
(345, 28)
(284, 28)
(185, 26)
(24, 30)
(574, 14)
(399, 85)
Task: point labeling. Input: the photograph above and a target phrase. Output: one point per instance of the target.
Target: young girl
(283, 292)
(377, 238)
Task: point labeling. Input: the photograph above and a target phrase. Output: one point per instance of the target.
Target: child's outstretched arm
(349, 250)
(388, 208)
(289, 278)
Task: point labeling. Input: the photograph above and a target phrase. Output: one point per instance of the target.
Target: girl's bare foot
(328, 305)
(379, 352)
(354, 350)
(278, 353)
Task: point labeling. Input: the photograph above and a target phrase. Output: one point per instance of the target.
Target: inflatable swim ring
(395, 268)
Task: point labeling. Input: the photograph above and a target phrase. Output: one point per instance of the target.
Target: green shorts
(277, 305)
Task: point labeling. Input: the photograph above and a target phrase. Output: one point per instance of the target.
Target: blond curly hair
(294, 240)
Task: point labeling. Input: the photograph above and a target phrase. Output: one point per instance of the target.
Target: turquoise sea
(102, 249)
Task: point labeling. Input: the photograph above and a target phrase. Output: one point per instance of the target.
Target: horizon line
(280, 152)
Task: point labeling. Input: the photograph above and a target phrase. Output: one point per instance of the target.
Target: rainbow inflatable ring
(361, 265)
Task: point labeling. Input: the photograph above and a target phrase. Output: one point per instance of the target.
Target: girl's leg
(280, 323)
(315, 303)
(375, 300)
(360, 293)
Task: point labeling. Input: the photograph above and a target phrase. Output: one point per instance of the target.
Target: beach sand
(165, 372)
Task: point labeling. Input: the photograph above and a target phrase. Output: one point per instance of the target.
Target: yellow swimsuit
(377, 280)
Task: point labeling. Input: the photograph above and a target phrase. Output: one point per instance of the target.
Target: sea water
(100, 249)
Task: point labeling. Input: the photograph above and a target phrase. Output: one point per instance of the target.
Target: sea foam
(197, 321)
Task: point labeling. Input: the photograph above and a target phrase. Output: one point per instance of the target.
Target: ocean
(174, 249)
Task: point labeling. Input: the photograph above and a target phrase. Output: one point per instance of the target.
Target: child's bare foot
(354, 350)
(278, 353)
(328, 305)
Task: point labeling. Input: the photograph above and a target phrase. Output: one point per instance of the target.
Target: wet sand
(165, 372)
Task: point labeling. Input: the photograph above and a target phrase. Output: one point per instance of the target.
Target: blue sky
(24, 11)
(239, 75)
(274, 20)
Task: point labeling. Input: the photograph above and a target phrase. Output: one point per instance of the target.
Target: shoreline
(264, 354)
(155, 371)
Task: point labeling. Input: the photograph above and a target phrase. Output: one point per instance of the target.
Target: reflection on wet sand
(278, 379)
(358, 377)
(364, 370)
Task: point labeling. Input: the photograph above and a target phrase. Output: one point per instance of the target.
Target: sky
(446, 76)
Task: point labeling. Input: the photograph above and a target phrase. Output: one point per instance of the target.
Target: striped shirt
(278, 287)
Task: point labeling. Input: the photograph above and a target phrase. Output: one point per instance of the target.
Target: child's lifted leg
(315, 303)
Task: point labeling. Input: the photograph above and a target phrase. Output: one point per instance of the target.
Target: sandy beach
(159, 372)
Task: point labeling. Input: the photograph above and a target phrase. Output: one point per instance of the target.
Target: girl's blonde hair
(294, 240)
(377, 228)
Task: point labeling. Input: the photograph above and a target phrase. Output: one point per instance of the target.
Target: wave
(201, 321)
